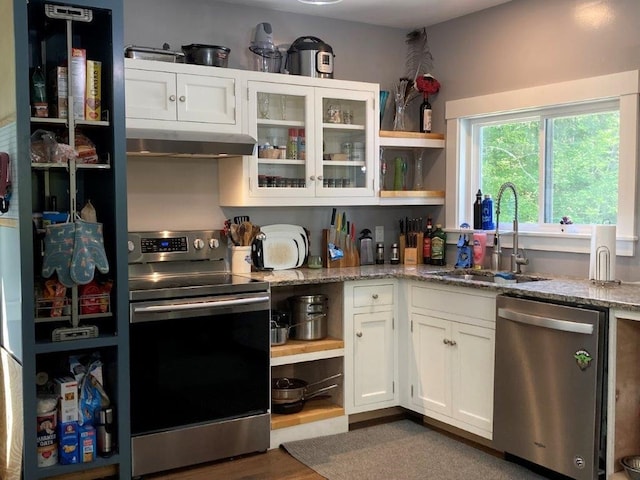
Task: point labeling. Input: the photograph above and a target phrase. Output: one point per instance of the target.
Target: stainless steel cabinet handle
(172, 98)
(545, 322)
(198, 305)
(374, 296)
(446, 341)
(358, 334)
(452, 343)
(312, 178)
(182, 98)
(320, 177)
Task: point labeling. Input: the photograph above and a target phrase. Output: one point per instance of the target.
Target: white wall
(514, 45)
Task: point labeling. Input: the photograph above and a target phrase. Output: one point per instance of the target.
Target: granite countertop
(562, 289)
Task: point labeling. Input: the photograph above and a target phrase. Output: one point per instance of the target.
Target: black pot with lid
(311, 57)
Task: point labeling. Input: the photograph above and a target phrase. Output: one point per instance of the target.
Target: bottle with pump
(477, 211)
(438, 246)
(426, 242)
(425, 115)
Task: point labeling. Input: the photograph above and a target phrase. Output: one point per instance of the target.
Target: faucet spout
(517, 258)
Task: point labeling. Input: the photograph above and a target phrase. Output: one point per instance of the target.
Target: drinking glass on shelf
(347, 116)
(283, 107)
(263, 105)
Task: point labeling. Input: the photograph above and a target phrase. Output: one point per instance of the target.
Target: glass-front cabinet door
(280, 118)
(312, 142)
(345, 142)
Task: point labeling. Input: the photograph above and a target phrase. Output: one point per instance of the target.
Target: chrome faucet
(517, 258)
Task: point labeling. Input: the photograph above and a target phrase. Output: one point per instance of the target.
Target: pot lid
(309, 43)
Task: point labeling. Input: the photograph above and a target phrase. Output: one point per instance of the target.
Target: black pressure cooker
(311, 57)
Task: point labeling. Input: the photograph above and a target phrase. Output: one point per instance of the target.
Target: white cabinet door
(206, 99)
(472, 367)
(374, 355)
(150, 95)
(431, 364)
(345, 147)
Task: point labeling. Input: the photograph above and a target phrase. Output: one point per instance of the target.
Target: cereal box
(94, 90)
(78, 81)
(87, 443)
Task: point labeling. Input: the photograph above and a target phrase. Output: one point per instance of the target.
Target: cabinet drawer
(459, 302)
(373, 295)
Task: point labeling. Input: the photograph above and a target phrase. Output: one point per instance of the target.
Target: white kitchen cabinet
(370, 345)
(339, 156)
(181, 97)
(452, 342)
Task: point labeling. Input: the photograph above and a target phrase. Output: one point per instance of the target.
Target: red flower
(427, 84)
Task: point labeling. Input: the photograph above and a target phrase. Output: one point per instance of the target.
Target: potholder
(58, 250)
(88, 252)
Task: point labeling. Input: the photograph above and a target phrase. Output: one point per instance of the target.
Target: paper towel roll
(602, 266)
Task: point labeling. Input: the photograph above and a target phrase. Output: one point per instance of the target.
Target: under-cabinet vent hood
(171, 143)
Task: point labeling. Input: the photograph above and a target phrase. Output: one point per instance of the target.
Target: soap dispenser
(366, 247)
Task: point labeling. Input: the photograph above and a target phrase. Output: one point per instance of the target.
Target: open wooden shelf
(297, 347)
(313, 411)
(411, 193)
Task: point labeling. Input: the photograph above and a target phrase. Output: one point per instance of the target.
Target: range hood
(171, 143)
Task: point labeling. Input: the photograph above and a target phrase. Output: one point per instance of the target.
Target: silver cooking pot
(210, 55)
(309, 317)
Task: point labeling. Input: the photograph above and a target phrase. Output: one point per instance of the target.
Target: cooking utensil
(279, 335)
(210, 55)
(287, 390)
(309, 315)
(310, 56)
(240, 219)
(163, 54)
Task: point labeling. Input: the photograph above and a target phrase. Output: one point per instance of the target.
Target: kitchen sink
(487, 276)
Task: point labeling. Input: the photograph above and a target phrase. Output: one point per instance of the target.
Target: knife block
(411, 255)
(351, 256)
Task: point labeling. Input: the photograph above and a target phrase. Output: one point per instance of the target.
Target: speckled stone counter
(572, 290)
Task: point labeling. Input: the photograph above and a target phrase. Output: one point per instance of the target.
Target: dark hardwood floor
(275, 464)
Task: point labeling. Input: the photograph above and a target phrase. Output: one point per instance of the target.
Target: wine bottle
(39, 94)
(425, 115)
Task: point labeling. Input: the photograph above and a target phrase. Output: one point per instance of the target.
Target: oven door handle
(200, 305)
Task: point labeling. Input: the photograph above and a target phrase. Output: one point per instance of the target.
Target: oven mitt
(88, 252)
(58, 249)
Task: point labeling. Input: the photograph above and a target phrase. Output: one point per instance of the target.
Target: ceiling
(397, 14)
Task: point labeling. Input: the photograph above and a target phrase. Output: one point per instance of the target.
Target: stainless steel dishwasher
(548, 397)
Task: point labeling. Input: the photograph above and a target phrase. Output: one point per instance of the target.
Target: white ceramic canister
(241, 259)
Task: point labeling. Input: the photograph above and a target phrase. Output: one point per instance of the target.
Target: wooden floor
(275, 464)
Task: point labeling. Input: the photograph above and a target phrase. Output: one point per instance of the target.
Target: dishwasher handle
(545, 322)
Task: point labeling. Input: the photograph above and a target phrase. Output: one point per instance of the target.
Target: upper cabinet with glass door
(315, 145)
(345, 148)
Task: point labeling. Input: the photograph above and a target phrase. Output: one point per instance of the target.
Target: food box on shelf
(67, 391)
(60, 92)
(78, 81)
(93, 109)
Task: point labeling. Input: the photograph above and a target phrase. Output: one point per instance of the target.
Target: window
(564, 162)
(573, 155)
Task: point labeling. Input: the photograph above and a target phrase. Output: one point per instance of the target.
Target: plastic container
(479, 249)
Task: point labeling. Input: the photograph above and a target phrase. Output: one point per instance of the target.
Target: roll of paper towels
(602, 266)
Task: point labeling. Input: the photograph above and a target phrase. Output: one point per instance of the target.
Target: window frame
(462, 171)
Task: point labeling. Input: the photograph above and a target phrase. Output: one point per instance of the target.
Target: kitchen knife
(332, 228)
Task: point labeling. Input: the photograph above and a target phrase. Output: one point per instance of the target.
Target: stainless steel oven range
(199, 353)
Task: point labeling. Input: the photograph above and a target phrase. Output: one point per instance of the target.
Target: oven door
(198, 360)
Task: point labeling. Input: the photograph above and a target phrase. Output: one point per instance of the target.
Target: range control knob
(198, 244)
(130, 246)
(214, 243)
